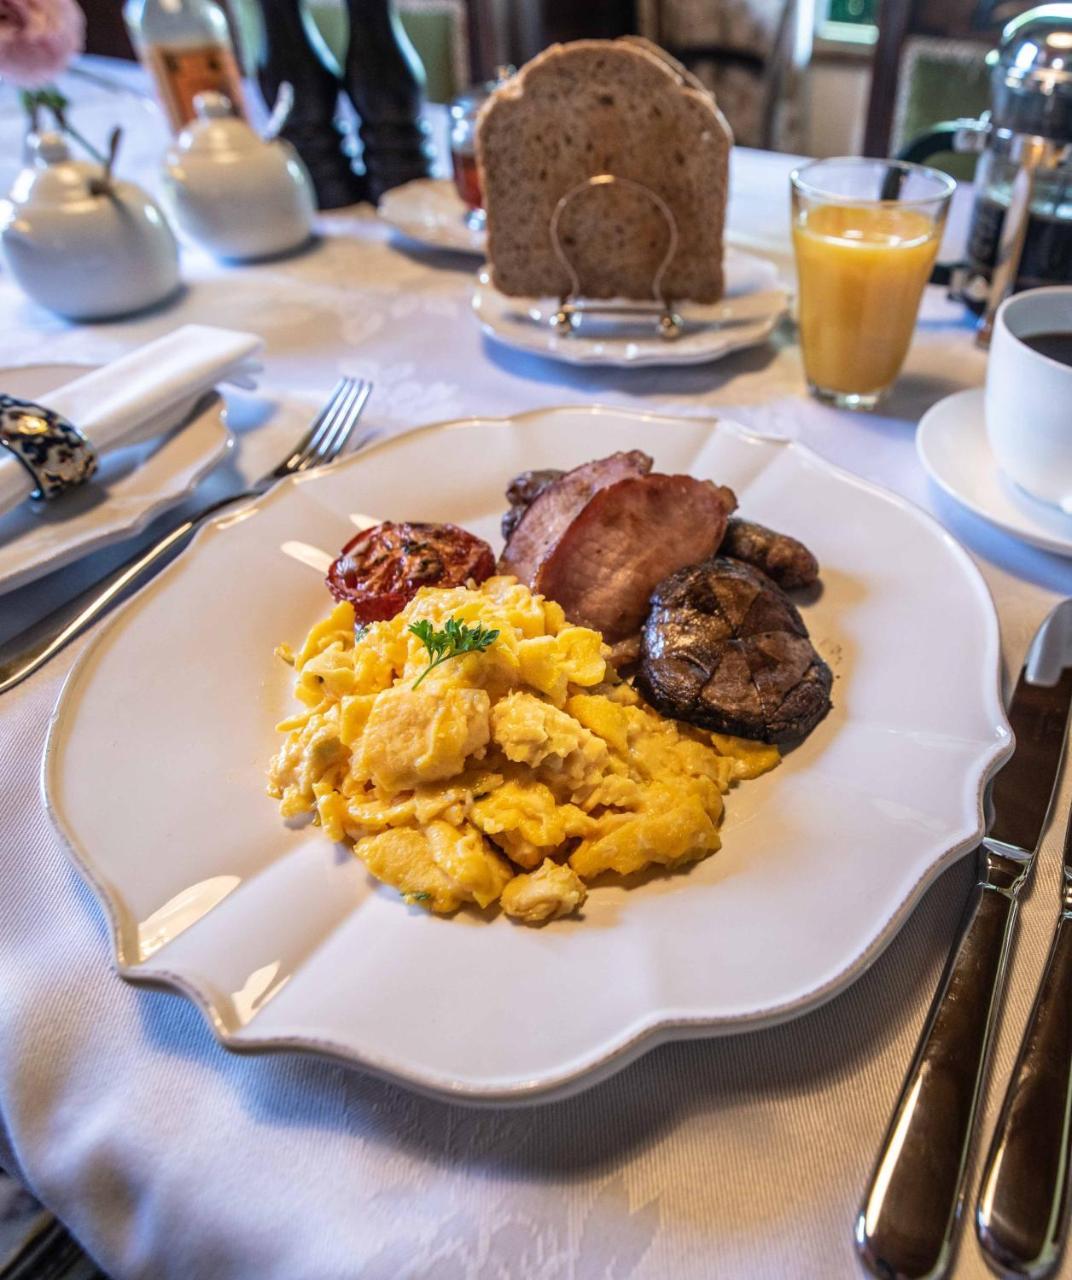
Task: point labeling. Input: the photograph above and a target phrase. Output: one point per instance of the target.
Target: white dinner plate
(430, 212)
(754, 303)
(132, 486)
(953, 447)
(155, 775)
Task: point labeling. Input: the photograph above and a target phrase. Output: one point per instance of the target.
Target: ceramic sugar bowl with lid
(82, 243)
(236, 194)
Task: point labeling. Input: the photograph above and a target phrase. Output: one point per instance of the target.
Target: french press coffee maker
(1021, 226)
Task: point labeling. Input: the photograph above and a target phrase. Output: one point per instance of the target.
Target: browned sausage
(783, 559)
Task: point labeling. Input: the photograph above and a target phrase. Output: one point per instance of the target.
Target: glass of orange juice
(865, 233)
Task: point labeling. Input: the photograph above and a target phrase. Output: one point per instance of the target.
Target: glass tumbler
(865, 234)
(463, 113)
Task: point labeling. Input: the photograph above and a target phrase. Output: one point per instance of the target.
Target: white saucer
(430, 212)
(133, 486)
(753, 304)
(953, 447)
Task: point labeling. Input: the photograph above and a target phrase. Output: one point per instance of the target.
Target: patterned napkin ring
(55, 453)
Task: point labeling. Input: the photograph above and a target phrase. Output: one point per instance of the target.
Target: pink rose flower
(38, 38)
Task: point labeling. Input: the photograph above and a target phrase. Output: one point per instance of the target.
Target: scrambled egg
(510, 775)
(553, 890)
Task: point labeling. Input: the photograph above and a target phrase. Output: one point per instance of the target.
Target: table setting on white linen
(741, 1156)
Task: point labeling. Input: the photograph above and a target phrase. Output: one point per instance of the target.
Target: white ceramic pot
(233, 193)
(83, 250)
(1029, 396)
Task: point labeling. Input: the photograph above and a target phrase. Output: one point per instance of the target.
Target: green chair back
(940, 80)
(432, 32)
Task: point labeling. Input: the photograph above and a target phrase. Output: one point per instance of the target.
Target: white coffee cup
(1029, 396)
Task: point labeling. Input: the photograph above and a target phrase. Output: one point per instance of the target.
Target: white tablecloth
(742, 1157)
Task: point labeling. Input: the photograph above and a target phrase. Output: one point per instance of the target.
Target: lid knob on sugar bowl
(81, 243)
(234, 193)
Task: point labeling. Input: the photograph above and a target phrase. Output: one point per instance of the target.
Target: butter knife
(907, 1226)
(1022, 1212)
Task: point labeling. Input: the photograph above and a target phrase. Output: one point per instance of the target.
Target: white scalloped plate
(133, 486)
(154, 773)
(754, 302)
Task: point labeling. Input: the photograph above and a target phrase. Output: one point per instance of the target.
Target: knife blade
(1021, 1214)
(1038, 712)
(907, 1225)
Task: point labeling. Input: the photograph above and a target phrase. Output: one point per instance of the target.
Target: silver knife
(906, 1228)
(1022, 1213)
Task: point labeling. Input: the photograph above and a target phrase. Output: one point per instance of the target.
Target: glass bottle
(186, 47)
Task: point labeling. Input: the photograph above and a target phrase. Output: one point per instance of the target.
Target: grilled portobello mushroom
(725, 648)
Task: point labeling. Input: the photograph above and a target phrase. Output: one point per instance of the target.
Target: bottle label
(181, 73)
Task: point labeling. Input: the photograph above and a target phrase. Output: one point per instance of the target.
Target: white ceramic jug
(83, 246)
(239, 196)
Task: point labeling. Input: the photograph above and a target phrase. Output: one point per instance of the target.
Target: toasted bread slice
(686, 76)
(592, 107)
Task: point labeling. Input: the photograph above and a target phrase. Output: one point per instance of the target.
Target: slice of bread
(604, 106)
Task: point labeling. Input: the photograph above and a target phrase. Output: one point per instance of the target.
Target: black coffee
(1058, 346)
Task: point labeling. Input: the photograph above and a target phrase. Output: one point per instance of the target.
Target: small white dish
(954, 448)
(429, 211)
(132, 487)
(754, 303)
(285, 942)
(239, 195)
(84, 251)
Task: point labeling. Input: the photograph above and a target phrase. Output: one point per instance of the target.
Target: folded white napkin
(142, 394)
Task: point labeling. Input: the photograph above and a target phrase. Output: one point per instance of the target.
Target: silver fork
(322, 443)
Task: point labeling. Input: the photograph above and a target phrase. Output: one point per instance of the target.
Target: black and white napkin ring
(55, 453)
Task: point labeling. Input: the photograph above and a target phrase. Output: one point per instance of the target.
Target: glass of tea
(463, 113)
(866, 234)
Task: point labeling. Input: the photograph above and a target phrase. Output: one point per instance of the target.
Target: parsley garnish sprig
(451, 642)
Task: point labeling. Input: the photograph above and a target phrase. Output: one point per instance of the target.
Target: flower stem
(82, 141)
(33, 100)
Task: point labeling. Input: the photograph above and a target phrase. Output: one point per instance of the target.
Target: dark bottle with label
(186, 47)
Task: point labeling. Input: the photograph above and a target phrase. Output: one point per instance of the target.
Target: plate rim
(672, 356)
(656, 1029)
(927, 430)
(470, 249)
(161, 503)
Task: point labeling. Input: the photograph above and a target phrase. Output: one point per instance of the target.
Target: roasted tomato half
(381, 569)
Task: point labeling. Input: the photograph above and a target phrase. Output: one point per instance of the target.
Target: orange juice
(861, 269)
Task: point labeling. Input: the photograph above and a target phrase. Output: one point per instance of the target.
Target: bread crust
(604, 106)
